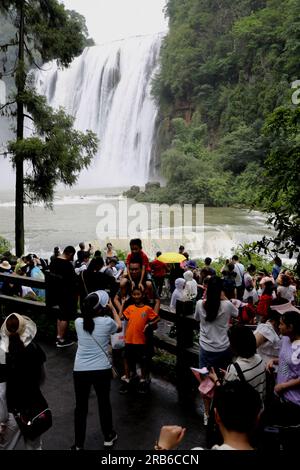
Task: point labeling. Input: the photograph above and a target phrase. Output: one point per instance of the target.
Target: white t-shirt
(89, 355)
(271, 347)
(287, 292)
(213, 335)
(239, 270)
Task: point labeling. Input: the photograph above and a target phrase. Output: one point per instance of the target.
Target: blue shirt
(89, 355)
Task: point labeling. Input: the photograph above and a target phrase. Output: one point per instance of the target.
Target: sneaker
(74, 447)
(63, 343)
(110, 439)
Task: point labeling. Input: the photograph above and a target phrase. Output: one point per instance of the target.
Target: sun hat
(103, 298)
(27, 330)
(5, 265)
(266, 279)
(287, 307)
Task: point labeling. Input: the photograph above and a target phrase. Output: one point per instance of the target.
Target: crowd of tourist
(249, 333)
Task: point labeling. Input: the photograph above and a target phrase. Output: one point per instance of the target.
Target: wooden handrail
(22, 280)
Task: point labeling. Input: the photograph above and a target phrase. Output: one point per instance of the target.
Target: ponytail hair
(91, 309)
(213, 298)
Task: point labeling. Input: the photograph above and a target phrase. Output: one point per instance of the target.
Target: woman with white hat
(24, 362)
(92, 367)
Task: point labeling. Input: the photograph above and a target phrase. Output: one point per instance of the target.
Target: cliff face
(225, 67)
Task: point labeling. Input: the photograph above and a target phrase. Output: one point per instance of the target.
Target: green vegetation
(225, 67)
(38, 32)
(280, 197)
(4, 245)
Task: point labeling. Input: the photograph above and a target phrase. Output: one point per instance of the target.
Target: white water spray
(108, 90)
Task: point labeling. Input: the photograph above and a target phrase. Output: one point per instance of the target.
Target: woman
(92, 280)
(214, 314)
(109, 253)
(243, 346)
(285, 289)
(267, 339)
(190, 288)
(25, 372)
(250, 284)
(9, 430)
(178, 293)
(286, 410)
(92, 365)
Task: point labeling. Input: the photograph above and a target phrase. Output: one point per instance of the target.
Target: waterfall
(107, 89)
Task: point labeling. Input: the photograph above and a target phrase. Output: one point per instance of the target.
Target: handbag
(35, 420)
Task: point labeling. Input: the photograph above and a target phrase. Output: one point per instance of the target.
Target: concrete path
(137, 418)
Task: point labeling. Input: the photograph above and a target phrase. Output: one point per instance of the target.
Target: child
(248, 314)
(136, 250)
(140, 317)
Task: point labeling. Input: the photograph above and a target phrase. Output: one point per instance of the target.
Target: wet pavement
(137, 418)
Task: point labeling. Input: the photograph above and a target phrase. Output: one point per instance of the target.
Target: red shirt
(158, 268)
(144, 257)
(264, 304)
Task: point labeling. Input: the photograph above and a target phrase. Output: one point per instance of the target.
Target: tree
(281, 192)
(45, 31)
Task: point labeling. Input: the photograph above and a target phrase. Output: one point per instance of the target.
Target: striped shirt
(253, 370)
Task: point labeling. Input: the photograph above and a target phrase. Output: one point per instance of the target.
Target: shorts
(67, 311)
(136, 354)
(217, 360)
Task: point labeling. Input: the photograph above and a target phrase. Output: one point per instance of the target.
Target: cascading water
(108, 90)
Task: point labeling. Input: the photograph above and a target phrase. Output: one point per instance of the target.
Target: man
(151, 295)
(158, 271)
(207, 263)
(181, 250)
(239, 269)
(62, 292)
(82, 253)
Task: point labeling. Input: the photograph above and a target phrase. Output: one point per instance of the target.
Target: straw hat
(27, 330)
(5, 265)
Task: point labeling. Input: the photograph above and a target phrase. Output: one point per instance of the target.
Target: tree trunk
(19, 200)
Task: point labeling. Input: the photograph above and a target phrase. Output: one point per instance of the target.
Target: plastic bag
(118, 339)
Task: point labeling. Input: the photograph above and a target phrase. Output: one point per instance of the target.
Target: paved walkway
(137, 418)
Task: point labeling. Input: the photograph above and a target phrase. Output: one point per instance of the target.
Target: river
(77, 215)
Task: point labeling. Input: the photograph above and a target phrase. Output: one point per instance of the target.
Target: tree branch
(29, 117)
(31, 56)
(7, 104)
(5, 46)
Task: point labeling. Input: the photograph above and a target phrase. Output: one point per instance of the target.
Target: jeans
(83, 380)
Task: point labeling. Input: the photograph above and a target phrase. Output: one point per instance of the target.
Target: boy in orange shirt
(140, 317)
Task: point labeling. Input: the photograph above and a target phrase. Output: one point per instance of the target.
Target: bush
(4, 245)
(132, 192)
